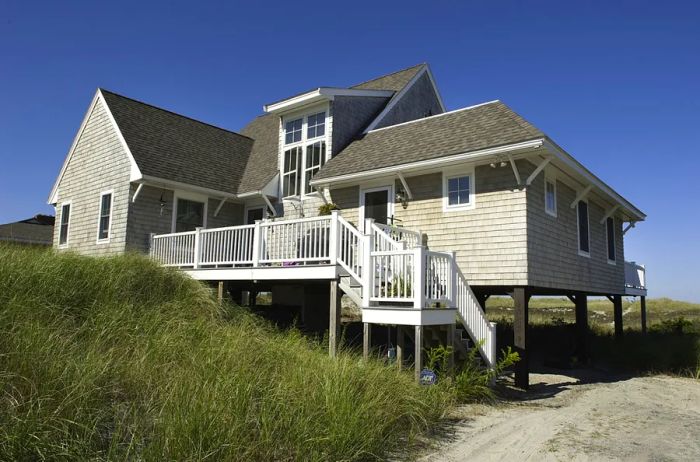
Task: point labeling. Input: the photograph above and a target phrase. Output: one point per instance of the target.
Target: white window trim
(368, 189)
(305, 141)
(449, 174)
(553, 180)
(607, 242)
(190, 196)
(70, 218)
(578, 228)
(99, 216)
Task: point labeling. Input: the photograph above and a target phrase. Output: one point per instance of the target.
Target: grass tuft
(118, 358)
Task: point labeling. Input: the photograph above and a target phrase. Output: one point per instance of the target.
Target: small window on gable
(292, 131)
(316, 125)
(458, 191)
(65, 220)
(583, 229)
(550, 196)
(105, 217)
(610, 230)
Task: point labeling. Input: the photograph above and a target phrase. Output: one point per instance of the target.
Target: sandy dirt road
(561, 418)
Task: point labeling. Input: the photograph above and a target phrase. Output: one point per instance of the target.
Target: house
(438, 210)
(37, 230)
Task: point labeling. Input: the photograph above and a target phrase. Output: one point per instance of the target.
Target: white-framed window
(458, 190)
(189, 211)
(64, 224)
(104, 219)
(304, 152)
(610, 232)
(550, 196)
(582, 221)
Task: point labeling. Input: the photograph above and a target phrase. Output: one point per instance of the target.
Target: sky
(617, 84)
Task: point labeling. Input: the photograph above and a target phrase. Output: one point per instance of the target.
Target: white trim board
(99, 216)
(368, 188)
(322, 94)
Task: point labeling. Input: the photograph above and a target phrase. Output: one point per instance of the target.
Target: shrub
(118, 358)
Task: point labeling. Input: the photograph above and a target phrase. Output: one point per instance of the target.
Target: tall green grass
(117, 358)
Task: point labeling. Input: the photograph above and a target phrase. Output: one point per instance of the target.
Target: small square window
(316, 125)
(458, 192)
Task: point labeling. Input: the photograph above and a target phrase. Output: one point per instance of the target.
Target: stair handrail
(382, 240)
(350, 247)
(474, 320)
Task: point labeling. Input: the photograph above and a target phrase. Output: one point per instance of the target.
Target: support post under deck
(418, 354)
(643, 303)
(581, 303)
(366, 339)
(521, 297)
(399, 346)
(617, 309)
(334, 322)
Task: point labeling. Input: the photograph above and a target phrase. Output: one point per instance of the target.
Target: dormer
(306, 132)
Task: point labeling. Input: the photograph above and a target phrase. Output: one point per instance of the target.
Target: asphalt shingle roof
(394, 81)
(174, 147)
(263, 162)
(37, 230)
(483, 126)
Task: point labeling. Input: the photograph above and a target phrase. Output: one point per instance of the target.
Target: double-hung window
(584, 248)
(105, 218)
(550, 196)
(65, 221)
(610, 231)
(304, 153)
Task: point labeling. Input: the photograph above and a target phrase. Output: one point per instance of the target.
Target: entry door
(377, 205)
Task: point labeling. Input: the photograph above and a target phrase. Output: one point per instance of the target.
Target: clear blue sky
(616, 85)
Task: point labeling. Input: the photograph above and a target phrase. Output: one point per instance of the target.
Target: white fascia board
(269, 190)
(320, 94)
(435, 88)
(568, 160)
(135, 173)
(170, 184)
(437, 162)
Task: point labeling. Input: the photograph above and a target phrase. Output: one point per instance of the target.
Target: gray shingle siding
(351, 115)
(418, 102)
(553, 257)
(99, 163)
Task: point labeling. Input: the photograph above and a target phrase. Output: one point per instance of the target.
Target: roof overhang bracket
(631, 225)
(537, 171)
(609, 213)
(516, 172)
(136, 193)
(269, 205)
(218, 208)
(405, 185)
(582, 195)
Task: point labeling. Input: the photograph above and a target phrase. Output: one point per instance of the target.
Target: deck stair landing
(385, 270)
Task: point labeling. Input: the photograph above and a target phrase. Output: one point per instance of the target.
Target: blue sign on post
(427, 377)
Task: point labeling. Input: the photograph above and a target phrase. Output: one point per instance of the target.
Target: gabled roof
(263, 161)
(395, 81)
(478, 127)
(172, 147)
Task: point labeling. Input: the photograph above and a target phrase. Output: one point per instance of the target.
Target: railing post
(419, 277)
(452, 294)
(367, 267)
(257, 237)
(150, 243)
(197, 246)
(333, 241)
(368, 225)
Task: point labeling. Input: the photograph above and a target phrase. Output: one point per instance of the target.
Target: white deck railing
(386, 268)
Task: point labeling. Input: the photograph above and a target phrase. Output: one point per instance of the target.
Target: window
(315, 155)
(292, 131)
(550, 197)
(291, 173)
(316, 125)
(189, 215)
(305, 156)
(458, 191)
(610, 229)
(105, 218)
(583, 237)
(65, 220)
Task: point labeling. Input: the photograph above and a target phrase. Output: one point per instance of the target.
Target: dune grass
(117, 358)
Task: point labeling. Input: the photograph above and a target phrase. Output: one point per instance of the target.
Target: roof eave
(321, 94)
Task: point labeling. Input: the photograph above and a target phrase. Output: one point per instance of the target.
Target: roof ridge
(436, 115)
(104, 90)
(389, 74)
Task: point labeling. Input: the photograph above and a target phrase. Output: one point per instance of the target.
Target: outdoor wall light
(402, 197)
(162, 204)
